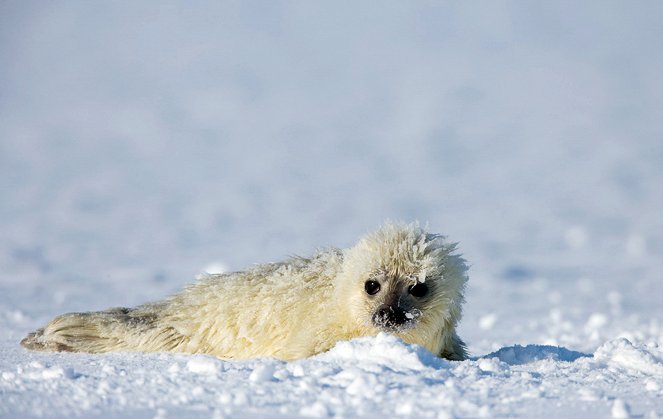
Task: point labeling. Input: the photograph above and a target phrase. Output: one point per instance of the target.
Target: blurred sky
(162, 136)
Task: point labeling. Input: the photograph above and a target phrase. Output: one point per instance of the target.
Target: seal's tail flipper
(101, 331)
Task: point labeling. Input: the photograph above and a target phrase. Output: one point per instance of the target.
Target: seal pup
(399, 279)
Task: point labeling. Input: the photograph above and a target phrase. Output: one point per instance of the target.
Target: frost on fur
(399, 279)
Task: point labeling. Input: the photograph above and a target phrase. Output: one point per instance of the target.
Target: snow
(620, 409)
(198, 365)
(145, 144)
(359, 377)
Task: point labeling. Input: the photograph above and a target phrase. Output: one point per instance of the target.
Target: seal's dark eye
(418, 290)
(372, 287)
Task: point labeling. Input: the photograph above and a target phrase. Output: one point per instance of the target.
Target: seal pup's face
(403, 281)
(397, 301)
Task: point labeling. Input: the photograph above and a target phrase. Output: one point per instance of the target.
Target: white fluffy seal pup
(399, 279)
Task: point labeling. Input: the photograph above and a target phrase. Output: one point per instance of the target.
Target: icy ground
(144, 142)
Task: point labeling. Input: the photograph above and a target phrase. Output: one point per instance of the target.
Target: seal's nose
(389, 317)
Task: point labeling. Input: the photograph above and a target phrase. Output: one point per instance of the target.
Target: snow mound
(622, 354)
(519, 355)
(384, 350)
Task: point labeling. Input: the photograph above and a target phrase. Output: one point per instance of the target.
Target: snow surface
(143, 143)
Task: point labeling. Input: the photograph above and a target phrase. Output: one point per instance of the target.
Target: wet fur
(289, 310)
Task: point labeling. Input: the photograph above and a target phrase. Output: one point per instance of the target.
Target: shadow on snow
(519, 355)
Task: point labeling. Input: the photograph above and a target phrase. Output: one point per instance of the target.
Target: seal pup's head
(407, 282)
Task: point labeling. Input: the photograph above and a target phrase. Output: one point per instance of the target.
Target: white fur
(288, 310)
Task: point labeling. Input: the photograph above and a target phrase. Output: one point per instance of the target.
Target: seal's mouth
(394, 319)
